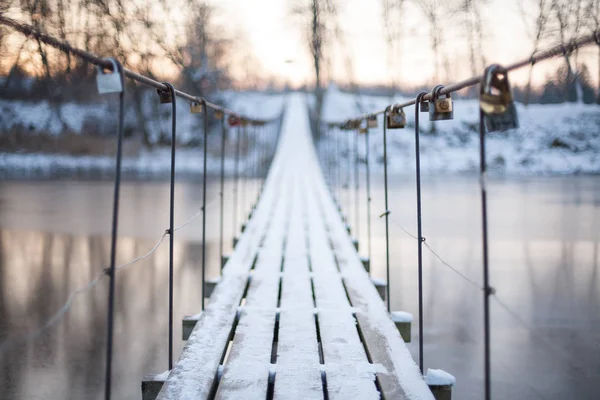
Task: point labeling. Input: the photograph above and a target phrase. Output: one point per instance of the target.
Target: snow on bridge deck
(295, 315)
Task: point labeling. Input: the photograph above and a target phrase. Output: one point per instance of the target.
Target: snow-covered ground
(552, 139)
(41, 118)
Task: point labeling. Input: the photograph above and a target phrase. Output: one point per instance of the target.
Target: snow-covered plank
(348, 371)
(246, 372)
(193, 375)
(298, 371)
(398, 375)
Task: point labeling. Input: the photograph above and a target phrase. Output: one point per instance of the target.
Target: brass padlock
(396, 118)
(219, 114)
(196, 107)
(109, 82)
(372, 121)
(363, 130)
(442, 107)
(496, 101)
(164, 96)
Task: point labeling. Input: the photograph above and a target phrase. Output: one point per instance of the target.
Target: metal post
(222, 191)
(236, 180)
(419, 228)
(357, 184)
(172, 215)
(487, 290)
(244, 185)
(387, 210)
(368, 178)
(337, 161)
(113, 239)
(204, 203)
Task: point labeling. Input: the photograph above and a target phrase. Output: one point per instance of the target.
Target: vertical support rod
(244, 178)
(487, 291)
(387, 210)
(113, 240)
(172, 216)
(357, 184)
(368, 178)
(338, 159)
(236, 180)
(205, 128)
(222, 191)
(419, 227)
(349, 176)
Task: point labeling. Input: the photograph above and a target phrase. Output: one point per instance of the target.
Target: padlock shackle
(489, 80)
(113, 62)
(435, 93)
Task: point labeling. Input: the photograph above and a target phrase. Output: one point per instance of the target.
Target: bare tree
(470, 13)
(593, 10)
(569, 17)
(319, 19)
(536, 31)
(433, 10)
(392, 25)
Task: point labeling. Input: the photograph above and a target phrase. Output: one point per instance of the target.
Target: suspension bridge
(295, 313)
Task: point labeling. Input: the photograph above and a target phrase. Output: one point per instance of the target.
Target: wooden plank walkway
(295, 315)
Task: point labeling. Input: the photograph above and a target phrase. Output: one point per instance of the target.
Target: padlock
(424, 106)
(496, 101)
(218, 114)
(244, 122)
(372, 121)
(164, 96)
(196, 107)
(396, 118)
(363, 129)
(109, 82)
(441, 108)
(233, 120)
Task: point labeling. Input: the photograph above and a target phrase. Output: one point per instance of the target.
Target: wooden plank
(348, 371)
(193, 375)
(397, 373)
(298, 372)
(246, 372)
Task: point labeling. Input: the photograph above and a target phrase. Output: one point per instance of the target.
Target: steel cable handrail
(569, 48)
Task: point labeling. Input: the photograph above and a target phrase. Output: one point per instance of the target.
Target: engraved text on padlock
(443, 105)
(109, 82)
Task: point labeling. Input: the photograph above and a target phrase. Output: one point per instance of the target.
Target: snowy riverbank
(552, 139)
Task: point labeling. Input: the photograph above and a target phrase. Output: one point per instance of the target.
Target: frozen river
(545, 257)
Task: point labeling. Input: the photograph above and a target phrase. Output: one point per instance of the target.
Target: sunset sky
(275, 37)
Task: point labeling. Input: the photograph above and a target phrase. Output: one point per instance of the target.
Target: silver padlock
(109, 82)
(441, 108)
(372, 121)
(496, 101)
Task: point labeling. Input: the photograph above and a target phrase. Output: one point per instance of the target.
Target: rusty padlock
(233, 120)
(164, 96)
(372, 121)
(396, 118)
(441, 108)
(496, 101)
(109, 82)
(197, 107)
